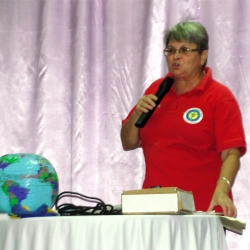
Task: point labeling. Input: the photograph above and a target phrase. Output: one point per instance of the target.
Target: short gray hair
(191, 32)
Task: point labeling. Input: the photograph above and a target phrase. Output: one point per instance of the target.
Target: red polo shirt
(183, 138)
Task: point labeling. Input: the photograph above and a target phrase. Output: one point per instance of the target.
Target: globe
(27, 183)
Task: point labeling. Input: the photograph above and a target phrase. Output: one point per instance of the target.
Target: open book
(229, 223)
(233, 224)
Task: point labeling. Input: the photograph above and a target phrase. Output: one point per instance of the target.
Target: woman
(195, 138)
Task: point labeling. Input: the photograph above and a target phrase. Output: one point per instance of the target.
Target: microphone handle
(164, 87)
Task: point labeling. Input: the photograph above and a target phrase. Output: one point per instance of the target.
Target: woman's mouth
(176, 65)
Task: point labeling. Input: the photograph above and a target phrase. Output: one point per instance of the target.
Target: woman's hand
(222, 199)
(146, 103)
(230, 165)
(130, 136)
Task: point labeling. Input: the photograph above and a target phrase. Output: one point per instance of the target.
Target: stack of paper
(4, 216)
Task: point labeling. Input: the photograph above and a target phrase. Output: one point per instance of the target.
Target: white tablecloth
(113, 232)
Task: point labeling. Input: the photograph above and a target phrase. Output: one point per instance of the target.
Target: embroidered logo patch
(193, 115)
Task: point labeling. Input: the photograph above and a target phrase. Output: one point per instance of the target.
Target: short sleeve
(228, 125)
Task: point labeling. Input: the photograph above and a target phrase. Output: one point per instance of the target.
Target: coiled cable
(68, 209)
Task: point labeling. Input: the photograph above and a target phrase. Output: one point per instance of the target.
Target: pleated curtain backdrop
(70, 70)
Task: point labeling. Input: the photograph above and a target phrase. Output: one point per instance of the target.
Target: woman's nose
(177, 54)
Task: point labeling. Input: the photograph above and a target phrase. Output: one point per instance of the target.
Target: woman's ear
(204, 56)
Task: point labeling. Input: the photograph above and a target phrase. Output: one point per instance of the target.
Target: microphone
(164, 87)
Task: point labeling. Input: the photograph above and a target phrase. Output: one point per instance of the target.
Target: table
(113, 232)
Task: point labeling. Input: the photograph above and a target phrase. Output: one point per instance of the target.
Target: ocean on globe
(27, 182)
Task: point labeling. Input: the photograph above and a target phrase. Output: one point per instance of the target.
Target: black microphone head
(167, 82)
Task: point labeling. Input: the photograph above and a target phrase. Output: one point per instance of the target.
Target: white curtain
(70, 70)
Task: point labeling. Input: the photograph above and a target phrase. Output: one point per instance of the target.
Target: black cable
(68, 209)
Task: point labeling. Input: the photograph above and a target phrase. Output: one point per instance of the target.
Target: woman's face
(185, 63)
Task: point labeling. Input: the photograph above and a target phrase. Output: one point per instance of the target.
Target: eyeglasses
(181, 50)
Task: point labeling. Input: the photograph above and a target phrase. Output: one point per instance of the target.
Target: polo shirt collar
(203, 83)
